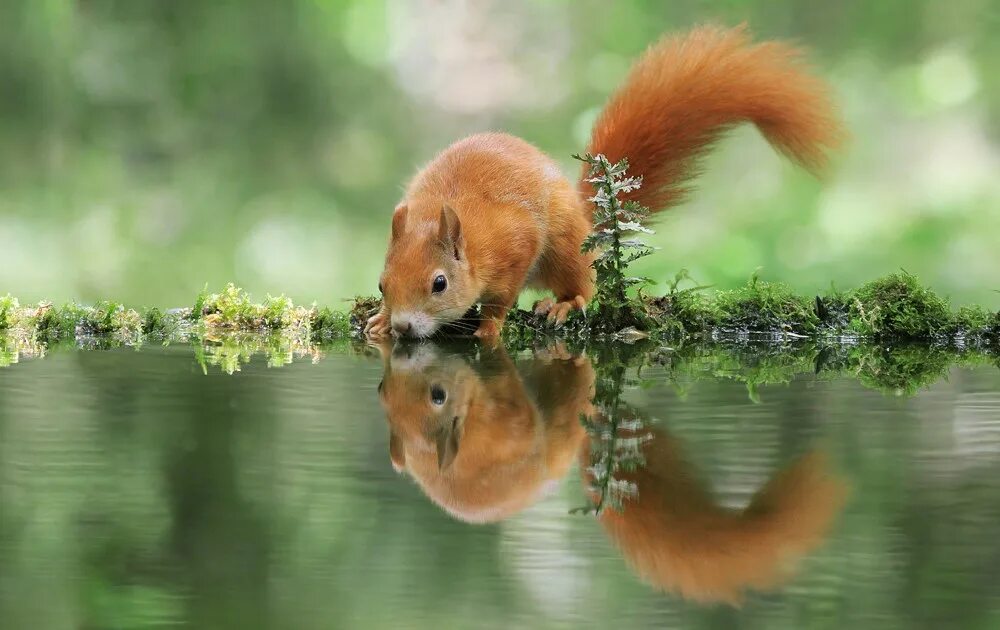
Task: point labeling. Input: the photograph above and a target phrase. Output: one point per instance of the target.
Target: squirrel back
(687, 90)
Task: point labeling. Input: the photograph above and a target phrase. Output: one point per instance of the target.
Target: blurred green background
(150, 147)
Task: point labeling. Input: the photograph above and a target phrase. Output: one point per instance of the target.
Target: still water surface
(431, 488)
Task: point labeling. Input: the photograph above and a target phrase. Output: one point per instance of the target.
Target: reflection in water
(485, 439)
(675, 535)
(135, 491)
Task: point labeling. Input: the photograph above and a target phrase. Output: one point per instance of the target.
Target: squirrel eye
(438, 395)
(380, 286)
(440, 284)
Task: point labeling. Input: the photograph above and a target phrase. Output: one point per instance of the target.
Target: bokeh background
(150, 147)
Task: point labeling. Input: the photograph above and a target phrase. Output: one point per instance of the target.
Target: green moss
(682, 311)
(973, 318)
(897, 369)
(763, 307)
(893, 309)
(111, 318)
(156, 323)
(975, 327)
(897, 307)
(330, 324)
(165, 325)
(17, 318)
(232, 309)
(9, 308)
(59, 323)
(198, 310)
(230, 327)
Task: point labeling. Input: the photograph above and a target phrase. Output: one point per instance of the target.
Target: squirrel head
(427, 280)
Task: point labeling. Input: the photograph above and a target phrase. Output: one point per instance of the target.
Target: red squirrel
(492, 214)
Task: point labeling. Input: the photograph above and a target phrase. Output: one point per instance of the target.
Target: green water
(138, 491)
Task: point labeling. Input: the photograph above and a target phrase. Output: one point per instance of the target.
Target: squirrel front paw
(377, 325)
(557, 312)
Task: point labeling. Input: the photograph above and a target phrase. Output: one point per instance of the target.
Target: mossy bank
(893, 334)
(893, 309)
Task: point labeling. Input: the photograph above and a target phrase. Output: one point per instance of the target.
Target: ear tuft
(396, 452)
(450, 230)
(398, 221)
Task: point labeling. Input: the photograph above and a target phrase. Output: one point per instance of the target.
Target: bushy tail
(688, 90)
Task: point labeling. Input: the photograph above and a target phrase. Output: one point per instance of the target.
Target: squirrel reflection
(485, 439)
(676, 537)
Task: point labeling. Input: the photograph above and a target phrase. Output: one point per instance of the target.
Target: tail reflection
(674, 535)
(483, 440)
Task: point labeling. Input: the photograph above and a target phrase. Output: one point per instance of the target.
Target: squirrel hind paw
(543, 306)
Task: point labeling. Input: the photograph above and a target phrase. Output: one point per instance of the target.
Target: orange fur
(687, 91)
(492, 449)
(675, 536)
(517, 221)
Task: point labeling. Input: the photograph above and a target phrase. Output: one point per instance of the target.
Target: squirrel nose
(402, 328)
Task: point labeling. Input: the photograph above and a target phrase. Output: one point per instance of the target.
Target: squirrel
(493, 214)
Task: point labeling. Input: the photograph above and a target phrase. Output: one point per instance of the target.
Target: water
(137, 490)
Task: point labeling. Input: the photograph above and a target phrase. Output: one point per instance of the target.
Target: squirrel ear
(396, 452)
(450, 229)
(447, 441)
(398, 221)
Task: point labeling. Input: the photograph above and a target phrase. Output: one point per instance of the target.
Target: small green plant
(614, 220)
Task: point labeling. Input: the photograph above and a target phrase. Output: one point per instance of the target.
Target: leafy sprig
(614, 221)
